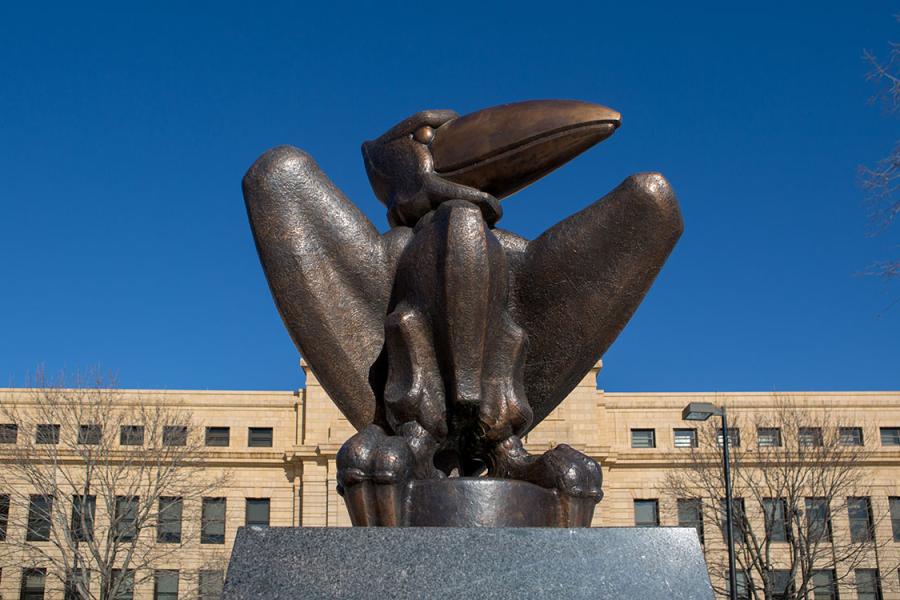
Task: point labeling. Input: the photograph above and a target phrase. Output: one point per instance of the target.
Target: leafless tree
(882, 181)
(105, 487)
(795, 468)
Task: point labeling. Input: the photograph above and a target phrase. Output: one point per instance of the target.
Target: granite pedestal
(441, 562)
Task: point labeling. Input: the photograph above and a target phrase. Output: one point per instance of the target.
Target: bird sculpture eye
(424, 134)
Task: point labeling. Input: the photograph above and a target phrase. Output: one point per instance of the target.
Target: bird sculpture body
(446, 339)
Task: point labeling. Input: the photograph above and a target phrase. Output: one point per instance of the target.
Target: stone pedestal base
(443, 562)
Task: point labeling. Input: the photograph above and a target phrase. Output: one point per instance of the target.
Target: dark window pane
(859, 511)
(257, 514)
(165, 585)
(818, 519)
(690, 514)
(734, 437)
(9, 433)
(643, 438)
(890, 436)
(46, 434)
(131, 435)
(895, 517)
(259, 437)
(824, 587)
(4, 516)
(212, 521)
(89, 434)
(218, 436)
(126, 518)
(737, 518)
(743, 585)
(78, 585)
(868, 585)
(175, 435)
(774, 510)
(646, 513)
(211, 584)
(168, 525)
(83, 510)
(810, 436)
(851, 436)
(39, 512)
(685, 438)
(122, 585)
(782, 585)
(32, 587)
(768, 437)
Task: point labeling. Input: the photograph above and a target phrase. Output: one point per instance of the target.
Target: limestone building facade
(289, 478)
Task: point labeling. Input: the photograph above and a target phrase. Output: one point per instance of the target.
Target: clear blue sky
(124, 134)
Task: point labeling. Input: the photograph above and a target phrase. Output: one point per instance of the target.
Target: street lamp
(701, 411)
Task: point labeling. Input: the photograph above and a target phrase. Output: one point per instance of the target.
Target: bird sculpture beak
(502, 149)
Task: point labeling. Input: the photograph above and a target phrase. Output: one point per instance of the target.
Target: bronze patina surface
(446, 339)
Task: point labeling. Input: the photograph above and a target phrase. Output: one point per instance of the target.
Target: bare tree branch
(88, 476)
(793, 471)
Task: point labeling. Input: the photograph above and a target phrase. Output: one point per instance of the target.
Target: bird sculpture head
(482, 157)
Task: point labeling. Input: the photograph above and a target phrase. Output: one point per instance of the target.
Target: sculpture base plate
(446, 562)
(483, 502)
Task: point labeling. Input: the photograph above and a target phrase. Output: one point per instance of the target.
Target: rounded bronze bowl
(480, 502)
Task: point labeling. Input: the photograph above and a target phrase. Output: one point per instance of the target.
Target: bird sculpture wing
(328, 269)
(577, 285)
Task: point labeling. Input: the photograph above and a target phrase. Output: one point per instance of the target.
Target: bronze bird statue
(446, 339)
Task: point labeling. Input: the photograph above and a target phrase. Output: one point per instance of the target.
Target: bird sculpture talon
(446, 339)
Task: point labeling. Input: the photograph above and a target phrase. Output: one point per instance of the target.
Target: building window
(768, 437)
(211, 585)
(123, 585)
(894, 504)
(218, 436)
(89, 434)
(259, 437)
(212, 521)
(9, 433)
(690, 514)
(734, 437)
(824, 587)
(40, 509)
(743, 585)
(646, 513)
(165, 585)
(890, 436)
(46, 434)
(737, 520)
(175, 435)
(868, 584)
(782, 584)
(131, 435)
(643, 438)
(126, 518)
(850, 436)
(4, 516)
(32, 587)
(78, 585)
(859, 511)
(257, 512)
(168, 523)
(818, 519)
(83, 510)
(810, 436)
(685, 438)
(775, 510)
